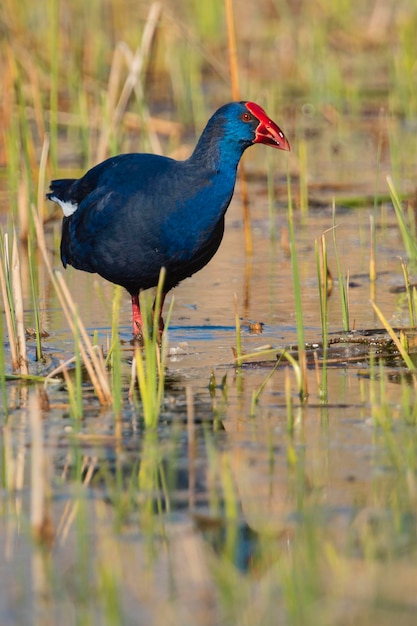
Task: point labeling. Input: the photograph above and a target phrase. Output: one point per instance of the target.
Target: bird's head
(244, 124)
(233, 128)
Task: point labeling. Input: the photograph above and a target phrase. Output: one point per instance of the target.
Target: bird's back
(135, 213)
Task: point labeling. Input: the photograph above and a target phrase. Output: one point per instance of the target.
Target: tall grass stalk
(321, 261)
(73, 396)
(407, 233)
(32, 249)
(372, 254)
(54, 56)
(26, 159)
(11, 285)
(303, 177)
(78, 405)
(271, 195)
(232, 49)
(150, 360)
(34, 292)
(8, 300)
(408, 361)
(256, 393)
(234, 79)
(3, 388)
(91, 357)
(17, 303)
(410, 295)
(115, 352)
(40, 516)
(342, 278)
(289, 404)
(303, 388)
(372, 218)
(133, 83)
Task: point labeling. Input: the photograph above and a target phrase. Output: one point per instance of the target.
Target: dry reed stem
(18, 308)
(71, 508)
(132, 83)
(372, 251)
(60, 368)
(39, 510)
(231, 42)
(7, 307)
(22, 209)
(92, 361)
(41, 177)
(92, 358)
(234, 77)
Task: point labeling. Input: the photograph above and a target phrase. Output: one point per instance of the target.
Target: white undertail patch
(68, 207)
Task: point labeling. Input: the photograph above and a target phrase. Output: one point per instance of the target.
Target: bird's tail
(60, 189)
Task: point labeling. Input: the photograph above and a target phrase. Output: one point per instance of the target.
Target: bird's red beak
(267, 131)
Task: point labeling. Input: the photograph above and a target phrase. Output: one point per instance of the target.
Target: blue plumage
(135, 213)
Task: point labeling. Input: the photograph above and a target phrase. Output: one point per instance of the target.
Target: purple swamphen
(133, 214)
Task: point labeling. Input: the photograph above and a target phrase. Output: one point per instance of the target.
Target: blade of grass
(18, 307)
(150, 360)
(407, 235)
(394, 337)
(343, 280)
(322, 272)
(234, 79)
(303, 389)
(409, 294)
(7, 300)
(92, 359)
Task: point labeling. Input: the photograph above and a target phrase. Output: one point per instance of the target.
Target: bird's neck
(217, 151)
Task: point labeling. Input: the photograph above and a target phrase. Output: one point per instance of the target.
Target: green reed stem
(409, 294)
(303, 388)
(407, 233)
(343, 280)
(34, 292)
(270, 165)
(54, 31)
(150, 361)
(3, 374)
(78, 374)
(115, 353)
(321, 261)
(303, 177)
(256, 394)
(408, 361)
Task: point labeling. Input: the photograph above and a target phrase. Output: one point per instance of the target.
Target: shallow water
(228, 480)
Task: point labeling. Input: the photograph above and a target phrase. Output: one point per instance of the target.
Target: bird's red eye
(246, 117)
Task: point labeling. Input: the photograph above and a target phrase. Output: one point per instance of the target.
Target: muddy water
(345, 463)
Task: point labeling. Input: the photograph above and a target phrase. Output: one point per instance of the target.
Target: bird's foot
(137, 338)
(138, 332)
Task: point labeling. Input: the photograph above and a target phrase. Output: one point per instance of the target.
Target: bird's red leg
(159, 313)
(136, 316)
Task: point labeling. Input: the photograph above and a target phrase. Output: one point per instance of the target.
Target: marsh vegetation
(258, 465)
